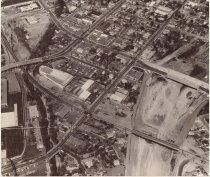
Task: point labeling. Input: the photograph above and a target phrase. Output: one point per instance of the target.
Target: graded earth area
(171, 109)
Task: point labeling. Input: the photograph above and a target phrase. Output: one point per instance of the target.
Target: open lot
(165, 107)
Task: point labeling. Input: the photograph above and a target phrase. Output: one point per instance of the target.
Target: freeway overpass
(176, 76)
(168, 73)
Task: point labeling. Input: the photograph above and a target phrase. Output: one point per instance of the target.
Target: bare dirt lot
(170, 108)
(25, 30)
(164, 106)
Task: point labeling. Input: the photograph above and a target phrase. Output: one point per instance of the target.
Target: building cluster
(193, 18)
(200, 133)
(24, 6)
(169, 41)
(75, 78)
(66, 164)
(199, 171)
(80, 15)
(61, 40)
(128, 28)
(10, 115)
(57, 41)
(98, 56)
(87, 82)
(98, 146)
(128, 87)
(9, 108)
(121, 100)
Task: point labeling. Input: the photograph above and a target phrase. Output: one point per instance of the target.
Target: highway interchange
(194, 83)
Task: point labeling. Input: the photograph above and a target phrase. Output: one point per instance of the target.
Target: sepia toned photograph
(105, 87)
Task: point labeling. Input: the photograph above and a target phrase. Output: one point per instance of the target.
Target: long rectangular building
(10, 118)
(59, 78)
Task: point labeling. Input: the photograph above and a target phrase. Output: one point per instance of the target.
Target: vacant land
(171, 109)
(164, 106)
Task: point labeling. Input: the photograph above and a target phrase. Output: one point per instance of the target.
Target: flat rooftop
(14, 86)
(33, 112)
(56, 75)
(9, 119)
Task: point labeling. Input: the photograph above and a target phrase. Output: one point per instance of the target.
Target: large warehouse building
(9, 112)
(59, 78)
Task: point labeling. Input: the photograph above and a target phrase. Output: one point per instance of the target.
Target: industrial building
(120, 95)
(31, 20)
(29, 7)
(9, 113)
(13, 85)
(59, 78)
(34, 115)
(84, 93)
(33, 112)
(10, 118)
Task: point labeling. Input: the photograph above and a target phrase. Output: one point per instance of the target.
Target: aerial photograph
(105, 88)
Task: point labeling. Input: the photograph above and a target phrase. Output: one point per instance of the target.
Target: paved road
(55, 20)
(176, 53)
(54, 150)
(176, 76)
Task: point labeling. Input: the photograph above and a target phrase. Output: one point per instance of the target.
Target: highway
(56, 148)
(55, 20)
(170, 74)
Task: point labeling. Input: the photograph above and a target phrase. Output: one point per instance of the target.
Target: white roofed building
(28, 7)
(31, 20)
(84, 89)
(87, 84)
(59, 78)
(84, 95)
(33, 112)
(9, 119)
(120, 95)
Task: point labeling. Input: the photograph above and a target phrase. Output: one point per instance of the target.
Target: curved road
(55, 149)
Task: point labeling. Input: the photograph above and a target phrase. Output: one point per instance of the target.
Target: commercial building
(29, 7)
(31, 20)
(59, 78)
(3, 154)
(34, 115)
(9, 112)
(84, 93)
(8, 4)
(165, 9)
(87, 84)
(13, 85)
(4, 93)
(161, 12)
(71, 8)
(9, 118)
(33, 112)
(120, 95)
